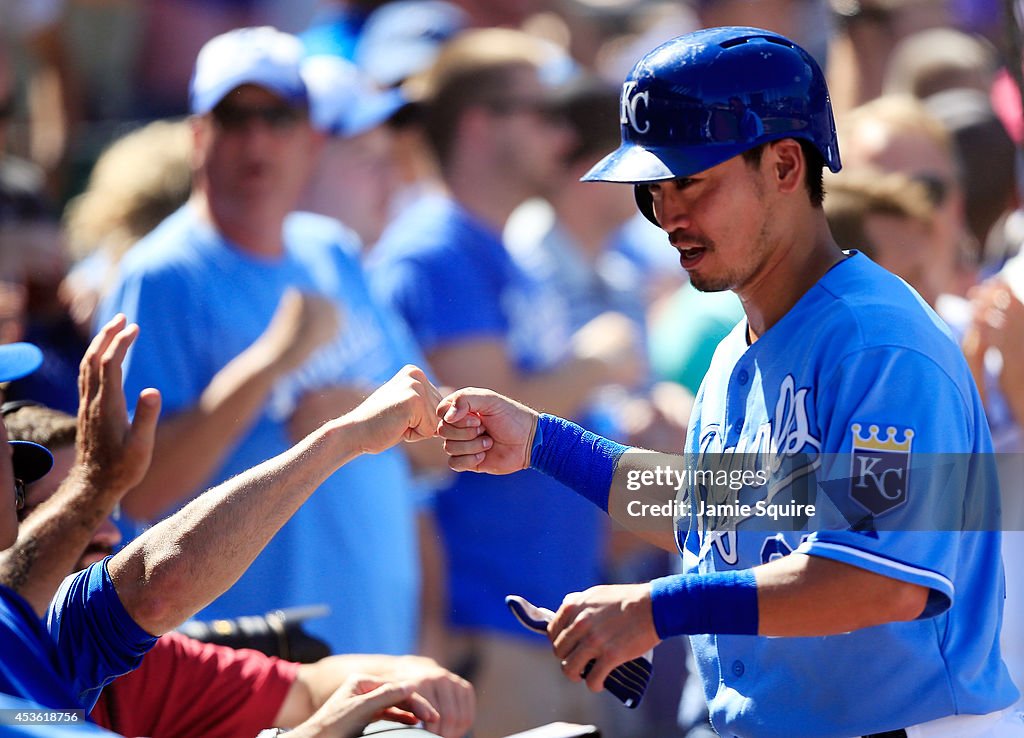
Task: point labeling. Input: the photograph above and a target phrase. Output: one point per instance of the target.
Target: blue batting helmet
(708, 96)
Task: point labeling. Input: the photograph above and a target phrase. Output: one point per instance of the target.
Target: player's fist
(401, 409)
(485, 431)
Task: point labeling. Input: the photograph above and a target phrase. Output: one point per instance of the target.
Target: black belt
(901, 733)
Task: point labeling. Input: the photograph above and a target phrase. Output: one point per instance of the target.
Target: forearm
(53, 538)
(191, 445)
(646, 509)
(632, 485)
(183, 563)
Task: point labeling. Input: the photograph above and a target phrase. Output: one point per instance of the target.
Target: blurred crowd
(291, 215)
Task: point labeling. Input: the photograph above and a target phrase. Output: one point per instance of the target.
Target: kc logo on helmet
(633, 108)
(881, 469)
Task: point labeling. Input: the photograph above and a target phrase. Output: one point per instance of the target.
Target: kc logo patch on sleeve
(880, 472)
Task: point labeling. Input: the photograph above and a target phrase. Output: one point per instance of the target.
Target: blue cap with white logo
(260, 56)
(703, 98)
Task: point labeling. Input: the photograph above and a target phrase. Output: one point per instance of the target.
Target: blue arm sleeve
(583, 461)
(96, 639)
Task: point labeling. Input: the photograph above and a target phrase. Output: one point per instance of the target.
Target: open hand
(112, 451)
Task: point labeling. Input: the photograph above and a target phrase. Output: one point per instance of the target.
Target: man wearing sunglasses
(205, 285)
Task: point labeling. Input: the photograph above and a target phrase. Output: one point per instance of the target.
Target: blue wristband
(719, 602)
(583, 461)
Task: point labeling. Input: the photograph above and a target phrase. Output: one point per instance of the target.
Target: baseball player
(874, 611)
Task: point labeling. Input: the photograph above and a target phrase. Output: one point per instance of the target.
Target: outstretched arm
(487, 432)
(112, 454)
(183, 563)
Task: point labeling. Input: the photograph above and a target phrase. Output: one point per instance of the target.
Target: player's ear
(787, 165)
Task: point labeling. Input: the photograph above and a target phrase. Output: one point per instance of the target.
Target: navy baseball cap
(30, 460)
(342, 102)
(260, 56)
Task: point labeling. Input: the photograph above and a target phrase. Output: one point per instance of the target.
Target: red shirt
(187, 688)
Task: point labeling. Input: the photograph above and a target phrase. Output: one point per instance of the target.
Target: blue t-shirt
(451, 279)
(860, 388)
(87, 639)
(200, 301)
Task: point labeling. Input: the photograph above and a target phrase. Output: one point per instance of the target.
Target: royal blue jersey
(858, 401)
(86, 640)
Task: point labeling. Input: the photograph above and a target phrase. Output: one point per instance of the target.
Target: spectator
(185, 688)
(355, 178)
(898, 134)
(889, 219)
(987, 166)
(570, 244)
(235, 287)
(103, 620)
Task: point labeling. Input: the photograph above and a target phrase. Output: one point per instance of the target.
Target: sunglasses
(19, 494)
(935, 187)
(231, 117)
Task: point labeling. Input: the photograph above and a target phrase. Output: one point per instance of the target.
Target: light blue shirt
(200, 301)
